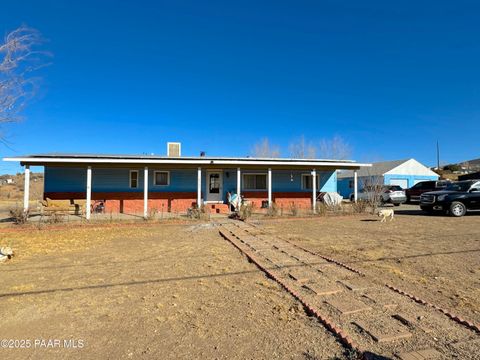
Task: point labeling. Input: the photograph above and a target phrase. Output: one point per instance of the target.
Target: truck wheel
(457, 209)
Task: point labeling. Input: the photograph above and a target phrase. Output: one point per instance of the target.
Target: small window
(134, 179)
(254, 181)
(161, 178)
(307, 182)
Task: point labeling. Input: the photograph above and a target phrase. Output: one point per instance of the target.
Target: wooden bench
(71, 206)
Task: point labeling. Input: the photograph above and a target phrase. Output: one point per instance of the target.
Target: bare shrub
(293, 208)
(335, 208)
(19, 215)
(56, 218)
(360, 206)
(273, 210)
(246, 211)
(320, 209)
(152, 214)
(198, 213)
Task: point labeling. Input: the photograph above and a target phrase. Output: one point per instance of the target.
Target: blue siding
(230, 181)
(113, 180)
(410, 178)
(59, 179)
(328, 181)
(344, 187)
(65, 179)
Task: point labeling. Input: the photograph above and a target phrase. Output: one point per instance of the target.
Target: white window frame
(130, 179)
(155, 177)
(303, 182)
(247, 174)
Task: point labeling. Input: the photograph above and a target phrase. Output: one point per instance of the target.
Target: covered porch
(146, 183)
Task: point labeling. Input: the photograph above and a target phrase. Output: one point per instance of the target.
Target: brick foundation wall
(281, 199)
(132, 202)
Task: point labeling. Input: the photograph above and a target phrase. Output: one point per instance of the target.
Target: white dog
(386, 213)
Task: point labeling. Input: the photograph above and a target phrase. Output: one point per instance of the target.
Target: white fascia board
(40, 161)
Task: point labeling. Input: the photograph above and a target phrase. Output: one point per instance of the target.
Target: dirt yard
(160, 291)
(435, 257)
(182, 291)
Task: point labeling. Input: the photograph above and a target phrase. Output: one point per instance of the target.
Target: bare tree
(300, 149)
(263, 148)
(19, 58)
(336, 148)
(372, 185)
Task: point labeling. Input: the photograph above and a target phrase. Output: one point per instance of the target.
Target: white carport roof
(399, 167)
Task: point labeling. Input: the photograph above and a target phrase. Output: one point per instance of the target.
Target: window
(476, 187)
(214, 186)
(134, 179)
(254, 181)
(307, 182)
(161, 178)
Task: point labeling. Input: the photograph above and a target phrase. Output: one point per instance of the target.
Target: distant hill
(11, 187)
(471, 165)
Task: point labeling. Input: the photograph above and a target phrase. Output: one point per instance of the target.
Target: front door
(214, 186)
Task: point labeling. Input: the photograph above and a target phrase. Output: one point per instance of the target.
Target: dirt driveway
(162, 291)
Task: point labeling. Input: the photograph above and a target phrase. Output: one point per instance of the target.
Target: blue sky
(389, 77)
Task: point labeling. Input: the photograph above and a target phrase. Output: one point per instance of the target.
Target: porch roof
(114, 160)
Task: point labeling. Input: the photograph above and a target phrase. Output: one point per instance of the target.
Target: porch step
(218, 208)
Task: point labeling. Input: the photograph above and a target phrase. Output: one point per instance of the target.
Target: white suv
(384, 194)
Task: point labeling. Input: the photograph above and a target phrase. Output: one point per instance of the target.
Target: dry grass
(33, 242)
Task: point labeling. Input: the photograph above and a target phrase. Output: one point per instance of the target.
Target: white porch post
(355, 186)
(314, 190)
(199, 187)
(26, 189)
(238, 182)
(89, 193)
(145, 192)
(269, 187)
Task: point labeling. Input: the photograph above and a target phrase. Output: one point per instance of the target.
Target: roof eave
(52, 160)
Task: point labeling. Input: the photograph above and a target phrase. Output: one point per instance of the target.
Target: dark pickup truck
(455, 199)
(414, 193)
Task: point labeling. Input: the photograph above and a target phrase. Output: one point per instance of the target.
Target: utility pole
(438, 156)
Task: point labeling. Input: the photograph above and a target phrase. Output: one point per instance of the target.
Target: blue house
(404, 173)
(139, 183)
